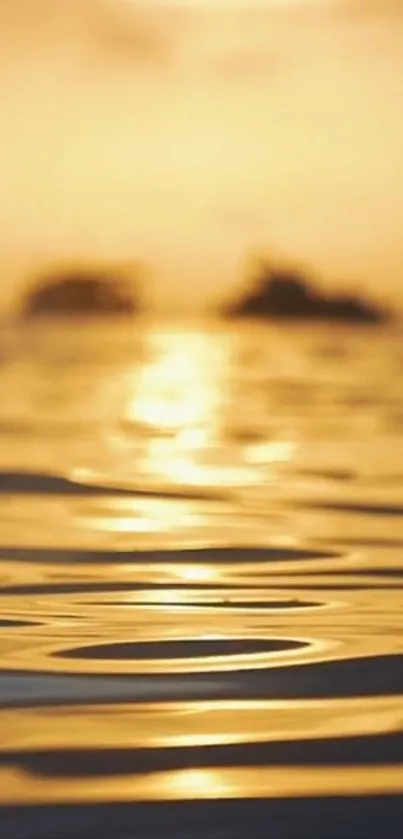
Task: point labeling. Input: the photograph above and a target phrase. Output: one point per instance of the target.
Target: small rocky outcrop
(80, 294)
(281, 293)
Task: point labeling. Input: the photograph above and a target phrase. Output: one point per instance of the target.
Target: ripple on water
(113, 605)
(193, 724)
(256, 678)
(195, 600)
(212, 555)
(184, 751)
(46, 484)
(355, 508)
(193, 648)
(49, 571)
(5, 623)
(70, 762)
(204, 653)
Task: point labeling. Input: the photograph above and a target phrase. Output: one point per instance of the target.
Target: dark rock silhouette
(80, 293)
(282, 293)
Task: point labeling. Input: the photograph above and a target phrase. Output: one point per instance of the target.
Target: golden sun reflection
(160, 597)
(197, 783)
(179, 390)
(202, 784)
(194, 430)
(180, 399)
(197, 573)
(144, 516)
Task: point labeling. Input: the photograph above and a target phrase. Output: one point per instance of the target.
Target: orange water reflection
(293, 557)
(184, 399)
(189, 725)
(179, 388)
(204, 784)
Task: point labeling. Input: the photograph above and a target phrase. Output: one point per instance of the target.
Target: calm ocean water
(201, 571)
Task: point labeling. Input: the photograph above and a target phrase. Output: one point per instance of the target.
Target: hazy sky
(188, 133)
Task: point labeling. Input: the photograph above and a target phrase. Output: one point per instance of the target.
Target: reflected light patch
(124, 525)
(182, 466)
(271, 452)
(196, 573)
(180, 398)
(197, 783)
(177, 389)
(192, 438)
(166, 597)
(18, 787)
(145, 516)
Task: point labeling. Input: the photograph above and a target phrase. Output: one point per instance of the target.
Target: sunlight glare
(198, 783)
(179, 388)
(196, 573)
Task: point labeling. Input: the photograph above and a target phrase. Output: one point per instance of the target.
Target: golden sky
(188, 132)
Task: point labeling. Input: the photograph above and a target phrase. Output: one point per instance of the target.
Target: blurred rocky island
(286, 294)
(80, 293)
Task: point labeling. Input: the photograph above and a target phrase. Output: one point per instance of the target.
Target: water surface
(201, 582)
